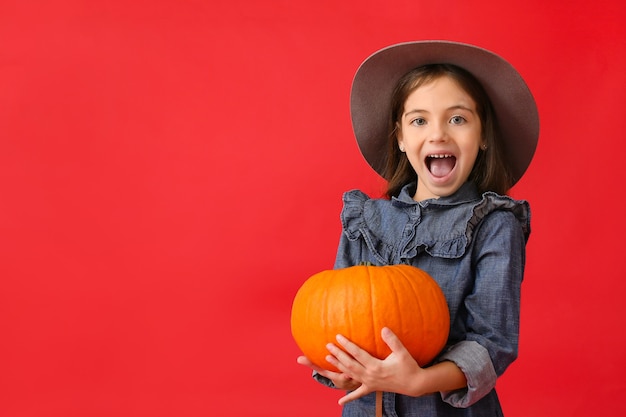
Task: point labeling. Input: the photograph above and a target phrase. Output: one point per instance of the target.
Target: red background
(171, 172)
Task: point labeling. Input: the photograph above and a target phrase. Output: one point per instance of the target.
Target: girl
(451, 127)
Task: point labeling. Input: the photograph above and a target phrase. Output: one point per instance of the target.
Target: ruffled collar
(446, 225)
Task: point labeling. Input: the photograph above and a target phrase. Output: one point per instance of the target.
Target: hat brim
(514, 106)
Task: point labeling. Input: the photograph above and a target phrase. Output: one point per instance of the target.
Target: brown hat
(513, 103)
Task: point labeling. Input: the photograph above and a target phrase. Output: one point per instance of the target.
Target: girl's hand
(341, 380)
(398, 372)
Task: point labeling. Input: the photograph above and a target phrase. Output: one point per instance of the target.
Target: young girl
(451, 127)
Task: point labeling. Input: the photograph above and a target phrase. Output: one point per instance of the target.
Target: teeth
(440, 156)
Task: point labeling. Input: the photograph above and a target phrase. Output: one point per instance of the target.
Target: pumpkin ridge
(399, 317)
(324, 309)
(372, 311)
(351, 319)
(414, 285)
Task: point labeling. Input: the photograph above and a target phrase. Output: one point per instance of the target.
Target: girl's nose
(438, 133)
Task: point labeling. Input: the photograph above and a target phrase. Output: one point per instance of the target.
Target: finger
(303, 360)
(392, 340)
(339, 354)
(353, 349)
(353, 395)
(347, 344)
(340, 359)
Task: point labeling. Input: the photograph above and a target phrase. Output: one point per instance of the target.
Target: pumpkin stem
(365, 263)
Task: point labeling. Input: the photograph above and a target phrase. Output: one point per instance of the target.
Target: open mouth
(440, 165)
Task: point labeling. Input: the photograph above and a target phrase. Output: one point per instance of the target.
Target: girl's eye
(457, 120)
(419, 121)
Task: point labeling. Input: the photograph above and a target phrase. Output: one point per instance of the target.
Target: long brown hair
(490, 172)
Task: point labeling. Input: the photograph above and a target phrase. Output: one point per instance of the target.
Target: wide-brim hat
(514, 106)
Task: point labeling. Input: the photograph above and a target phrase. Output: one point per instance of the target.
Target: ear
(399, 138)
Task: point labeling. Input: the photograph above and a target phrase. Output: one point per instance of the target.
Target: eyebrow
(455, 107)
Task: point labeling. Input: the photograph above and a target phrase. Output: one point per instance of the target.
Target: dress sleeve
(323, 380)
(493, 307)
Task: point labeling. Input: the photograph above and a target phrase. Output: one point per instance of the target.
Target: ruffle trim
(361, 216)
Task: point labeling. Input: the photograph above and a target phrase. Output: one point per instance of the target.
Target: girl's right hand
(340, 380)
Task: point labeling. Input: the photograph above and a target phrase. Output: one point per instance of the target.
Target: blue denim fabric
(474, 247)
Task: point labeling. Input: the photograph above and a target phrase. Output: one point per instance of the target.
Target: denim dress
(474, 246)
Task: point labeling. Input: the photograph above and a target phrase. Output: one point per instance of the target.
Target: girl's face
(440, 131)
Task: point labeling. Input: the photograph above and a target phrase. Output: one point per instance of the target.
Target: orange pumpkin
(359, 301)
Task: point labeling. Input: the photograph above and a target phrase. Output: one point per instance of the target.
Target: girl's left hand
(398, 372)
